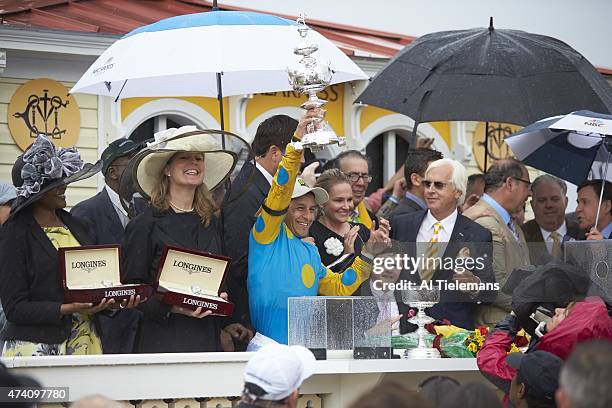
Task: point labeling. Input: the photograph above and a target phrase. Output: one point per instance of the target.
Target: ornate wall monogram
(498, 149)
(43, 106)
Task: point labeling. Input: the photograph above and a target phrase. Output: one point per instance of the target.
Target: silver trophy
(421, 298)
(309, 77)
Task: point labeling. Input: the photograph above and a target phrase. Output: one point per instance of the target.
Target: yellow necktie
(431, 253)
(556, 246)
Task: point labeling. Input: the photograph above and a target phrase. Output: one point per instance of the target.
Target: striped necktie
(556, 246)
(431, 253)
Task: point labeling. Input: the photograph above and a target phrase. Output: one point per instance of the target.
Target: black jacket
(244, 200)
(538, 253)
(30, 286)
(405, 206)
(101, 217)
(145, 239)
(117, 329)
(455, 306)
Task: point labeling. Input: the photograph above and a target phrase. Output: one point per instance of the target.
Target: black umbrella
(488, 75)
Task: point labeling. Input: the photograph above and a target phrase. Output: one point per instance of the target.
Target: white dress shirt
(426, 233)
(263, 171)
(562, 231)
(121, 212)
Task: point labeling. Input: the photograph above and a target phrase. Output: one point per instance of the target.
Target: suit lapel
(457, 236)
(111, 215)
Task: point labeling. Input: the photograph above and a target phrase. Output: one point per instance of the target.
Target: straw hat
(150, 163)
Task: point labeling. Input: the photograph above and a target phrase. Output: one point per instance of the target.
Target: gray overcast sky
(586, 25)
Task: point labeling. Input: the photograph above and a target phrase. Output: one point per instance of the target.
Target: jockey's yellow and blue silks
(281, 265)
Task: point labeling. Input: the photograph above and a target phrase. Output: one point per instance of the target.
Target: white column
(160, 123)
(388, 155)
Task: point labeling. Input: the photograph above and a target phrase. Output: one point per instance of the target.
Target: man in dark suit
(107, 219)
(589, 194)
(247, 193)
(415, 165)
(440, 232)
(546, 233)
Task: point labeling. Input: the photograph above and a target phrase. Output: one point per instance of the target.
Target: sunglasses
(437, 185)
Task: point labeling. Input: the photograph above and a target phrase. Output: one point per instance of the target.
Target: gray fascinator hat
(42, 168)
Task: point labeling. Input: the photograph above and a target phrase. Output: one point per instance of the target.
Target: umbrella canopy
(181, 56)
(574, 147)
(484, 74)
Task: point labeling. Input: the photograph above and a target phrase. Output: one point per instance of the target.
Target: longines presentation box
(193, 279)
(92, 273)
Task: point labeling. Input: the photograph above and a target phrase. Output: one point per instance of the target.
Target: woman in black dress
(177, 172)
(337, 239)
(40, 322)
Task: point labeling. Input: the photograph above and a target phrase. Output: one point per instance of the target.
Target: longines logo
(191, 268)
(88, 266)
(43, 106)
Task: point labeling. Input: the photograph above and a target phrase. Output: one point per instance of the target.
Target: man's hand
(86, 308)
(466, 277)
(384, 327)
(311, 116)
(309, 240)
(238, 332)
(309, 173)
(594, 235)
(399, 188)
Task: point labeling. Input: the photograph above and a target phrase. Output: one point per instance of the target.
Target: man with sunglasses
(507, 187)
(440, 234)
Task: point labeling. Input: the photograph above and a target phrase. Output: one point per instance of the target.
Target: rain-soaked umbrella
(489, 75)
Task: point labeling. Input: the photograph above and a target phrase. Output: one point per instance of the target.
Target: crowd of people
(290, 232)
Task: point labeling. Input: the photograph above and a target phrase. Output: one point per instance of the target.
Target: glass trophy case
(325, 323)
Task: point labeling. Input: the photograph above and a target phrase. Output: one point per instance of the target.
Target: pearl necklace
(179, 209)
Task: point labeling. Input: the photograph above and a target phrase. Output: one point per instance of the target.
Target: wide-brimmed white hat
(218, 163)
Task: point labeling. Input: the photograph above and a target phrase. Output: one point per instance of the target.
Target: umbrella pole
(603, 183)
(486, 139)
(220, 99)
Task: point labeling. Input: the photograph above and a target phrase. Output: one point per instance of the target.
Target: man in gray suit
(506, 190)
(546, 233)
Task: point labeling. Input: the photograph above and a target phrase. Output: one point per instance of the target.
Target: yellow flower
(472, 348)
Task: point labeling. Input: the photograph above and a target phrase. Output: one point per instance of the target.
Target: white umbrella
(184, 55)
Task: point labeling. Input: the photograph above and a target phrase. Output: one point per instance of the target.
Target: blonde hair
(330, 178)
(203, 203)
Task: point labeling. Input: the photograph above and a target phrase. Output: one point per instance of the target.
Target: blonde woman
(177, 172)
(337, 239)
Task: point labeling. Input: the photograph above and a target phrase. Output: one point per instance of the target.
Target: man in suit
(415, 165)
(107, 219)
(586, 211)
(546, 233)
(506, 190)
(244, 200)
(441, 232)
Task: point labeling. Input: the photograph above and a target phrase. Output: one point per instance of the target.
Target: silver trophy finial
(310, 77)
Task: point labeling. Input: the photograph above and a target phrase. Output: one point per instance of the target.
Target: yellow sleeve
(270, 217)
(346, 283)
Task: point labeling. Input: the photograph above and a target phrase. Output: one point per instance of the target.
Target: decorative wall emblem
(43, 106)
(498, 149)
